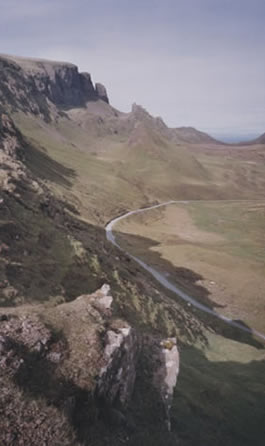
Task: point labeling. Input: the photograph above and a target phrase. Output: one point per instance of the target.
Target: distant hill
(259, 140)
(194, 136)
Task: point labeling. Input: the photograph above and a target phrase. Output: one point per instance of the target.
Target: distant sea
(234, 139)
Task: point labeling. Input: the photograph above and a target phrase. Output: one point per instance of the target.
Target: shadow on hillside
(39, 378)
(184, 278)
(244, 334)
(187, 280)
(46, 168)
(219, 403)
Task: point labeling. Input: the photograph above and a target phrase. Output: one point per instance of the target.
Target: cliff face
(11, 154)
(38, 86)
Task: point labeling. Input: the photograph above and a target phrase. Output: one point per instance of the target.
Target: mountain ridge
(41, 86)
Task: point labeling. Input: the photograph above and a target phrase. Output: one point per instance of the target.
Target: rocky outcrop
(41, 87)
(10, 138)
(165, 378)
(77, 352)
(102, 92)
(11, 154)
(13, 170)
(117, 377)
(54, 356)
(75, 360)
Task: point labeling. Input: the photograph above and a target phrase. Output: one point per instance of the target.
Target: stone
(102, 92)
(54, 357)
(165, 377)
(117, 377)
(105, 300)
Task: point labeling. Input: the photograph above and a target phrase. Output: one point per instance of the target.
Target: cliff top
(30, 63)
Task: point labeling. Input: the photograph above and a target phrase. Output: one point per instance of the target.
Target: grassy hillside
(114, 170)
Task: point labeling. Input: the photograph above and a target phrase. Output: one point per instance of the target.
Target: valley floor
(222, 242)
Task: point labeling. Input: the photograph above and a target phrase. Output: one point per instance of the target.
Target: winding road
(162, 279)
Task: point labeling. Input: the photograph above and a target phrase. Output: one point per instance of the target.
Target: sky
(195, 63)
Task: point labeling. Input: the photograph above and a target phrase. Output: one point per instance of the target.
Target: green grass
(106, 174)
(216, 253)
(240, 223)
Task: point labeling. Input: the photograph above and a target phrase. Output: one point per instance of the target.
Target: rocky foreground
(65, 369)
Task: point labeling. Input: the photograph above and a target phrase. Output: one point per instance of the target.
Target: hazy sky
(193, 62)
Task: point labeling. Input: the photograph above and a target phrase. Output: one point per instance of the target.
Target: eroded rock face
(102, 92)
(77, 354)
(11, 154)
(72, 360)
(10, 138)
(117, 376)
(63, 85)
(52, 355)
(39, 86)
(165, 377)
(13, 170)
